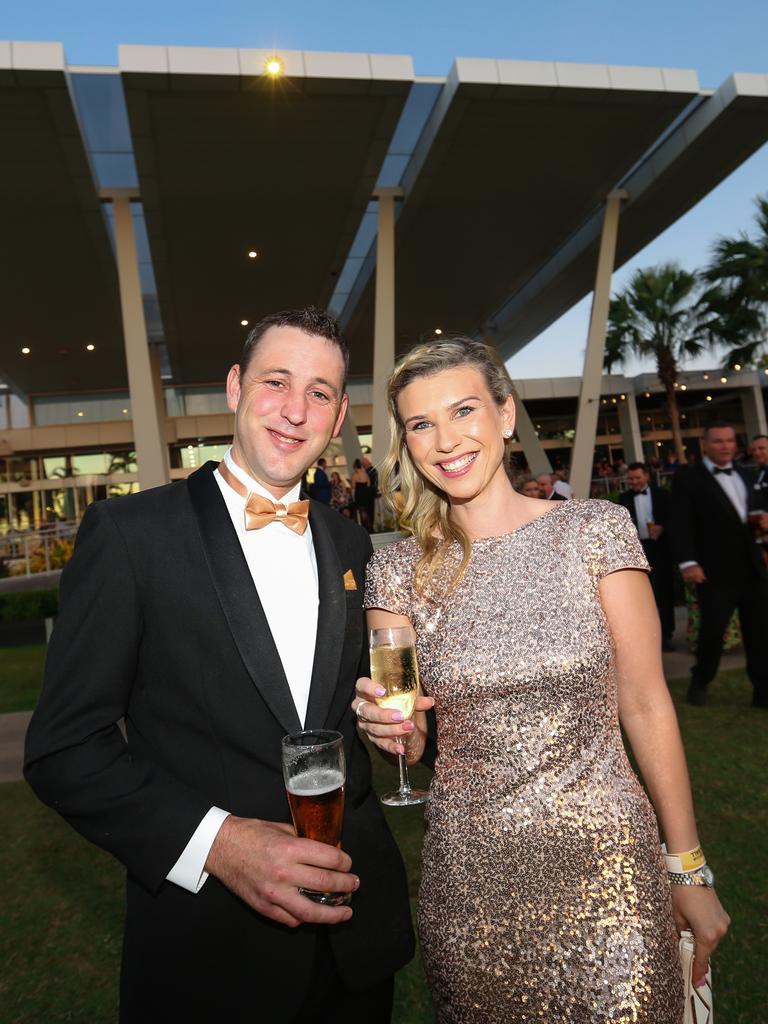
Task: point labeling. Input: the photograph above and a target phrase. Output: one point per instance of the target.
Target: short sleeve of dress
(389, 580)
(611, 541)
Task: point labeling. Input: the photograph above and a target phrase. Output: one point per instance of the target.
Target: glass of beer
(314, 772)
(395, 669)
(753, 519)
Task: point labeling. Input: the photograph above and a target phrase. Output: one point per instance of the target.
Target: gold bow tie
(262, 511)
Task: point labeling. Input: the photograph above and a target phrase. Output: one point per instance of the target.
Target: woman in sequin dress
(544, 894)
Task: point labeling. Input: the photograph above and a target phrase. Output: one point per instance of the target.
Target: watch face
(707, 875)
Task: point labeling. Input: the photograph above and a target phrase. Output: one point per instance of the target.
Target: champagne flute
(394, 668)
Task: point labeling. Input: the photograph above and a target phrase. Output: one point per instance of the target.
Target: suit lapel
(331, 623)
(239, 599)
(715, 488)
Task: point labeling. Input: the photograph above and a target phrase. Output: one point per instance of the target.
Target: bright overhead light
(647, 394)
(737, 367)
(438, 330)
(25, 351)
(273, 67)
(706, 376)
(81, 413)
(243, 323)
(709, 398)
(90, 348)
(683, 387)
(723, 380)
(125, 411)
(623, 398)
(252, 254)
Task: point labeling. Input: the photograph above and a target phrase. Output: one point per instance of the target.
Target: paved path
(13, 727)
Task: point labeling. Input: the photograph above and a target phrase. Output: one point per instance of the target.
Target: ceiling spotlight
(683, 387)
(125, 412)
(90, 348)
(623, 398)
(647, 394)
(706, 376)
(25, 351)
(737, 367)
(438, 330)
(252, 254)
(723, 380)
(613, 400)
(709, 398)
(81, 413)
(273, 67)
(243, 323)
(765, 370)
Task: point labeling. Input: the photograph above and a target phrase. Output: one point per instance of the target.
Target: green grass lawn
(21, 673)
(60, 916)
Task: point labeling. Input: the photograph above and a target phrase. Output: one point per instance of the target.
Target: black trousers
(717, 603)
(663, 583)
(329, 1001)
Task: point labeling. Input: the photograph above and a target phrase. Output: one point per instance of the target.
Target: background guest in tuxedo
(649, 507)
(758, 449)
(716, 551)
(213, 627)
(547, 484)
(320, 488)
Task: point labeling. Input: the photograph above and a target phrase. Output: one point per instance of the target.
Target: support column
(384, 320)
(629, 424)
(753, 410)
(350, 442)
(533, 449)
(589, 399)
(148, 428)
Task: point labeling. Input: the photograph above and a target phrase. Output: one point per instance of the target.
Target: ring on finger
(358, 709)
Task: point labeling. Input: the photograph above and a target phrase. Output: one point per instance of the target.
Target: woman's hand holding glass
(386, 727)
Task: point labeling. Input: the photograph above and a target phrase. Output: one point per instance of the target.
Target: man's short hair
(639, 465)
(717, 425)
(310, 320)
(322, 463)
(759, 437)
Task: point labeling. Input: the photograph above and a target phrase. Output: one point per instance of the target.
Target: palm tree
(738, 299)
(660, 314)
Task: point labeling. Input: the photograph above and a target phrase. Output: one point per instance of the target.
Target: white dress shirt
(643, 513)
(283, 567)
(735, 491)
(561, 487)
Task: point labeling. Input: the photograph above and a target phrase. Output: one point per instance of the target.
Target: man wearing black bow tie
(214, 616)
(758, 449)
(649, 506)
(716, 551)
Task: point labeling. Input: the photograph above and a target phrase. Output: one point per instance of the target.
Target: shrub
(29, 605)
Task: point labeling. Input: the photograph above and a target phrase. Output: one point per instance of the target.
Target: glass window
(3, 412)
(91, 408)
(19, 411)
(205, 401)
(89, 465)
(55, 468)
(193, 456)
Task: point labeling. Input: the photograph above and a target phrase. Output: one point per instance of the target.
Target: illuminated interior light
(253, 254)
(25, 351)
(244, 323)
(737, 367)
(90, 348)
(706, 376)
(438, 330)
(723, 380)
(125, 411)
(683, 387)
(80, 413)
(709, 398)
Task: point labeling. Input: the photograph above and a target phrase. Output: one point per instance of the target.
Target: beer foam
(316, 783)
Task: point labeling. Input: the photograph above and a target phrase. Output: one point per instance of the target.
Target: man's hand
(655, 531)
(693, 574)
(265, 864)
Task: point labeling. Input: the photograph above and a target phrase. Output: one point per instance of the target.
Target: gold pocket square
(349, 580)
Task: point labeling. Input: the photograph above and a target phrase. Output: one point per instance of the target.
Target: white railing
(18, 548)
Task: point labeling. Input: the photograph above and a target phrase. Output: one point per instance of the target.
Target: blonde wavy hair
(421, 508)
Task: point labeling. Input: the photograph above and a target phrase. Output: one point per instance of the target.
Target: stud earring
(507, 434)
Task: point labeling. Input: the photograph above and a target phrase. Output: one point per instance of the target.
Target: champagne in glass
(394, 668)
(314, 774)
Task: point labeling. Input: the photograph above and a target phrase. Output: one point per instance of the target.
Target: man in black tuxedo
(547, 484)
(716, 551)
(758, 449)
(213, 622)
(649, 507)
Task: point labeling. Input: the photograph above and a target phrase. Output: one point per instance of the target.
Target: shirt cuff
(686, 565)
(189, 870)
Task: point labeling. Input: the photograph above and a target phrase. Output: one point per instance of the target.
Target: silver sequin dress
(544, 894)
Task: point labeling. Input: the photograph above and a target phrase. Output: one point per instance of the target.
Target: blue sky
(714, 39)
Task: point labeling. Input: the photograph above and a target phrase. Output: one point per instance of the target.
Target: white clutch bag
(698, 1001)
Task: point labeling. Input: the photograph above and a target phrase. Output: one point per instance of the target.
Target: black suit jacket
(160, 624)
(705, 528)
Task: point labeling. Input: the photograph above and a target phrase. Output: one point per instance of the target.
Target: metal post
(148, 429)
(384, 320)
(589, 398)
